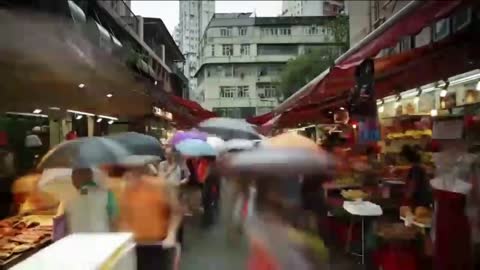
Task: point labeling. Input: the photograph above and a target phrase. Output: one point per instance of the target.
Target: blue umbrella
(195, 148)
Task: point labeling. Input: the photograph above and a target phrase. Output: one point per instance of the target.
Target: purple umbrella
(185, 135)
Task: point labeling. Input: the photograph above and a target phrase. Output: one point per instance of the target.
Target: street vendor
(418, 192)
(95, 208)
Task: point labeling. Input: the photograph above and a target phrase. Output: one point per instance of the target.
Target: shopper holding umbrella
(206, 172)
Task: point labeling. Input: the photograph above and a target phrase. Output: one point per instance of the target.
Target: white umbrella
(217, 143)
(239, 144)
(58, 183)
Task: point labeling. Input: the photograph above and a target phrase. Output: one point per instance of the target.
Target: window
(225, 32)
(242, 31)
(242, 91)
(285, 31)
(311, 30)
(441, 29)
(461, 18)
(405, 44)
(245, 49)
(424, 37)
(227, 91)
(277, 49)
(282, 31)
(266, 90)
(235, 112)
(213, 49)
(228, 70)
(227, 49)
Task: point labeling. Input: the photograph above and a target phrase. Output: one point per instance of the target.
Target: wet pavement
(209, 249)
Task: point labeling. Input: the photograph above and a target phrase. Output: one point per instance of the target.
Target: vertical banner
(363, 106)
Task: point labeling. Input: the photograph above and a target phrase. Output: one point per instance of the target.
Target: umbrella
(58, 184)
(195, 148)
(84, 153)
(184, 135)
(228, 128)
(217, 143)
(290, 140)
(239, 144)
(139, 144)
(277, 162)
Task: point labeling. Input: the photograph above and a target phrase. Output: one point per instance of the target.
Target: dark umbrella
(277, 162)
(139, 144)
(228, 128)
(84, 153)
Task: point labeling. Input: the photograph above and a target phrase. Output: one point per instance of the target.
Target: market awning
(409, 21)
(441, 60)
(195, 108)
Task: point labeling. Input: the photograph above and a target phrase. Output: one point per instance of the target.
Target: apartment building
(194, 17)
(312, 7)
(366, 16)
(242, 57)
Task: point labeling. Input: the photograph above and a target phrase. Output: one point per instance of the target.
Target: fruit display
(405, 211)
(414, 134)
(354, 194)
(422, 215)
(396, 231)
(346, 181)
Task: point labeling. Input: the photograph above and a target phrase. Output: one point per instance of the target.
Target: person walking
(209, 175)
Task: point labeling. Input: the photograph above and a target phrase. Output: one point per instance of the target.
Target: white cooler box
(92, 251)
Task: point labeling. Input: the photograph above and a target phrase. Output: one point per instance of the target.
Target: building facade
(194, 17)
(312, 8)
(242, 57)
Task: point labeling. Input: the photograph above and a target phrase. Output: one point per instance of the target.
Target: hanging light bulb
(443, 93)
(416, 99)
(381, 109)
(110, 122)
(79, 117)
(99, 120)
(434, 112)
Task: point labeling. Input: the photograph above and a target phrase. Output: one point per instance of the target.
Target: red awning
(455, 55)
(425, 13)
(409, 21)
(196, 109)
(260, 119)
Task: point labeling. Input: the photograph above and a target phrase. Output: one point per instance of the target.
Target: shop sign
(161, 113)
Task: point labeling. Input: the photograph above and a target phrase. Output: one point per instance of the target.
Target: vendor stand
(22, 236)
(114, 251)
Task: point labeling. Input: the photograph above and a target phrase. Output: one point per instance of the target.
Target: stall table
(362, 209)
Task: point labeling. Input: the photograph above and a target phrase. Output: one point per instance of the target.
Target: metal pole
(363, 242)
